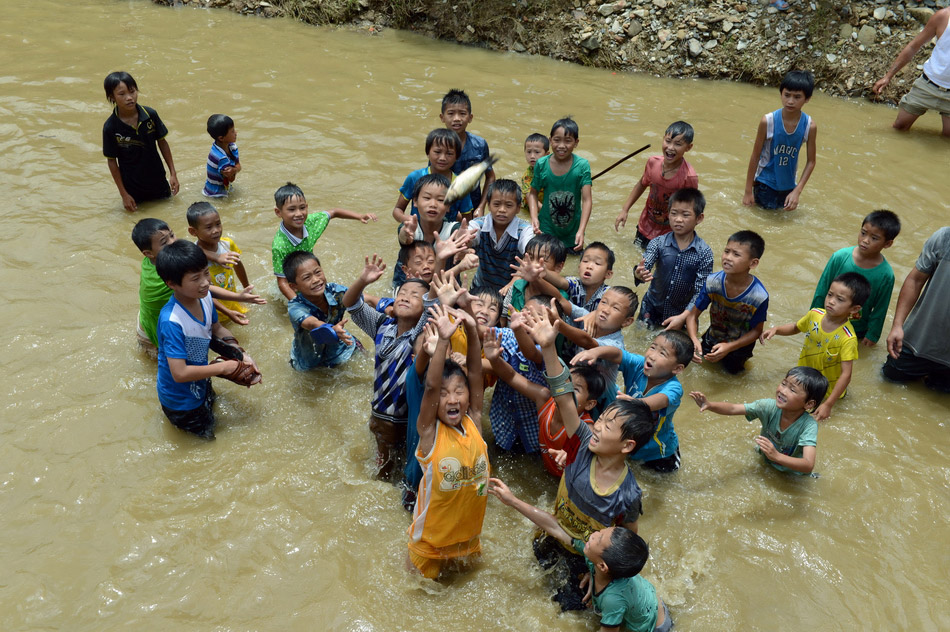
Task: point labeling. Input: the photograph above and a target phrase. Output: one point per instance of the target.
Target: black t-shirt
(136, 149)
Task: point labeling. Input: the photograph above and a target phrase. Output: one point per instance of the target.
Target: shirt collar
(294, 241)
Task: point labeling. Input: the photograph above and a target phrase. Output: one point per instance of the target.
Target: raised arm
(342, 213)
(720, 408)
(558, 376)
(543, 519)
(373, 269)
(473, 363)
(492, 345)
(428, 410)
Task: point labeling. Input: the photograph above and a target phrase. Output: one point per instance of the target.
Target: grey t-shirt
(925, 330)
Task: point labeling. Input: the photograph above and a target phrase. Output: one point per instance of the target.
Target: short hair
(504, 187)
(569, 125)
(814, 383)
(544, 300)
(405, 251)
(599, 245)
(456, 97)
(113, 79)
(451, 368)
(198, 210)
(859, 286)
(593, 376)
(426, 180)
(293, 261)
(680, 128)
(539, 138)
(488, 292)
(886, 221)
(692, 196)
(681, 343)
(414, 280)
(178, 259)
(629, 294)
(636, 421)
(144, 230)
(544, 242)
(626, 555)
(751, 239)
(286, 192)
(219, 125)
(798, 81)
(444, 137)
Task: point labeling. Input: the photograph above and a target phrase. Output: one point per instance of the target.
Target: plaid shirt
(577, 294)
(512, 414)
(678, 277)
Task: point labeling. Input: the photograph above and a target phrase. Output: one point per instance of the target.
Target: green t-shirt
(284, 243)
(870, 320)
(153, 294)
(802, 432)
(560, 213)
(629, 601)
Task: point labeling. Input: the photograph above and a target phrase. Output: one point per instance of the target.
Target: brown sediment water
(110, 517)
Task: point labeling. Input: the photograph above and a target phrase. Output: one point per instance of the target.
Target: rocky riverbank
(848, 45)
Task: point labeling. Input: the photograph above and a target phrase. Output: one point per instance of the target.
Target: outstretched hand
(700, 400)
(443, 321)
(498, 489)
(373, 269)
(447, 289)
(247, 296)
(491, 343)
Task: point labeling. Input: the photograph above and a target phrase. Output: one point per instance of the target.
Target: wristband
(560, 384)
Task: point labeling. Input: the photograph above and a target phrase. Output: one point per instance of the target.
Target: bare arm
(183, 372)
(587, 205)
(692, 330)
(910, 292)
(824, 411)
(172, 174)
(635, 194)
(720, 408)
(720, 350)
(908, 52)
(372, 271)
(342, 213)
(543, 519)
(788, 329)
(535, 392)
(127, 200)
(804, 464)
(241, 274)
(748, 199)
(533, 209)
(489, 178)
(284, 286)
(399, 209)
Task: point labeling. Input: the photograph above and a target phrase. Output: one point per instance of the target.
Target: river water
(112, 518)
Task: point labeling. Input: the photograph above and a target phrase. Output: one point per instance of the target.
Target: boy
(878, 231)
(588, 287)
(300, 230)
(682, 259)
(770, 180)
(185, 328)
(830, 343)
(663, 175)
(500, 236)
(738, 305)
(614, 557)
(442, 148)
(457, 116)
(316, 315)
(547, 250)
(224, 258)
(535, 146)
(223, 161)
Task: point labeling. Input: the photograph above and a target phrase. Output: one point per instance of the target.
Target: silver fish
(464, 182)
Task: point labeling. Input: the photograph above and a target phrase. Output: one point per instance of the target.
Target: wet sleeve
(612, 608)
(297, 312)
(172, 340)
(702, 298)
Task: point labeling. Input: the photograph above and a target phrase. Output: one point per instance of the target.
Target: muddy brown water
(110, 517)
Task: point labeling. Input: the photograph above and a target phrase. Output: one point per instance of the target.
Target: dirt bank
(848, 45)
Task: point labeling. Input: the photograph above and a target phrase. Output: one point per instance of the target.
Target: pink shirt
(655, 218)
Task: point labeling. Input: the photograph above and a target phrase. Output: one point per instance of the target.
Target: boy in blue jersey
(457, 116)
(223, 160)
(500, 236)
(442, 149)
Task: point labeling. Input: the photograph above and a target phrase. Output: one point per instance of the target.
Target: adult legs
(905, 119)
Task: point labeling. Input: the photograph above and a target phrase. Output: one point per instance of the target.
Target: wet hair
(426, 180)
(444, 137)
(798, 81)
(569, 125)
(491, 295)
(628, 294)
(626, 555)
(219, 125)
(814, 383)
(539, 138)
(692, 196)
(113, 79)
(859, 286)
(593, 376)
(599, 245)
(293, 261)
(144, 230)
(547, 243)
(751, 239)
(452, 369)
(456, 97)
(504, 187)
(680, 128)
(198, 210)
(681, 343)
(408, 250)
(286, 192)
(178, 259)
(886, 221)
(544, 300)
(413, 280)
(636, 420)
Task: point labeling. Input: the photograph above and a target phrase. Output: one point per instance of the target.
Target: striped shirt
(218, 159)
(678, 277)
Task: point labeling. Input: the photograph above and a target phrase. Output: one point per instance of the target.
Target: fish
(464, 182)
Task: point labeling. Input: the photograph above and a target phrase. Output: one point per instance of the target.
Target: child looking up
(442, 149)
(131, 140)
(535, 146)
(595, 267)
(224, 258)
(830, 343)
(566, 182)
(789, 436)
(545, 249)
(663, 175)
(457, 116)
(223, 160)
(770, 181)
(500, 236)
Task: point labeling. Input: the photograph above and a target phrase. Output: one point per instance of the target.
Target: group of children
(550, 345)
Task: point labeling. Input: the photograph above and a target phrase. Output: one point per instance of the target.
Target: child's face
(544, 256)
(486, 310)
(674, 148)
(581, 394)
(791, 395)
(409, 301)
(597, 543)
(612, 312)
(420, 264)
(456, 117)
(441, 158)
(839, 301)
(533, 150)
(160, 239)
(660, 359)
(793, 100)
(124, 97)
(293, 213)
(871, 240)
(194, 285)
(592, 268)
(737, 258)
(208, 230)
(503, 208)
(453, 401)
(683, 219)
(230, 137)
(431, 202)
(606, 435)
(311, 282)
(563, 144)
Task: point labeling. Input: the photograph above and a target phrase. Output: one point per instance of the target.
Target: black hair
(544, 300)
(414, 280)
(426, 180)
(814, 383)
(293, 261)
(680, 128)
(593, 376)
(886, 221)
(444, 137)
(628, 294)
(178, 259)
(286, 192)
(143, 231)
(456, 97)
(487, 291)
(405, 251)
(451, 369)
(636, 421)
(113, 79)
(681, 343)
(626, 555)
(751, 239)
(539, 138)
(569, 125)
(859, 286)
(219, 125)
(198, 210)
(544, 242)
(599, 245)
(504, 187)
(692, 196)
(798, 81)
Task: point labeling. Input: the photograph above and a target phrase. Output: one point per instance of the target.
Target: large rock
(592, 43)
(608, 9)
(634, 28)
(695, 47)
(866, 35)
(921, 14)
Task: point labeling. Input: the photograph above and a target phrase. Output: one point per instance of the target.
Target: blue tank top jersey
(778, 163)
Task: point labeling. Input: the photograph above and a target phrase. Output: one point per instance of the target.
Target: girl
(131, 140)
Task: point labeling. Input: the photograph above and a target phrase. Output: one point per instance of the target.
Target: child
(682, 259)
(588, 287)
(789, 436)
(664, 175)
(738, 305)
(316, 314)
(500, 236)
(442, 148)
(878, 231)
(185, 328)
(566, 182)
(535, 146)
(457, 116)
(770, 180)
(300, 230)
(224, 258)
(545, 249)
(131, 140)
(830, 344)
(223, 161)
(614, 557)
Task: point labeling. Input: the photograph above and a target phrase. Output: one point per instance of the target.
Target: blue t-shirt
(218, 159)
(184, 337)
(664, 442)
(306, 353)
(474, 151)
(462, 205)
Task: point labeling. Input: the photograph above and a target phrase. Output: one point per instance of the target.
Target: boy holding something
(224, 258)
(223, 162)
(457, 116)
(442, 149)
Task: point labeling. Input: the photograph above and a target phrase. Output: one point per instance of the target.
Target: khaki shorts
(925, 96)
